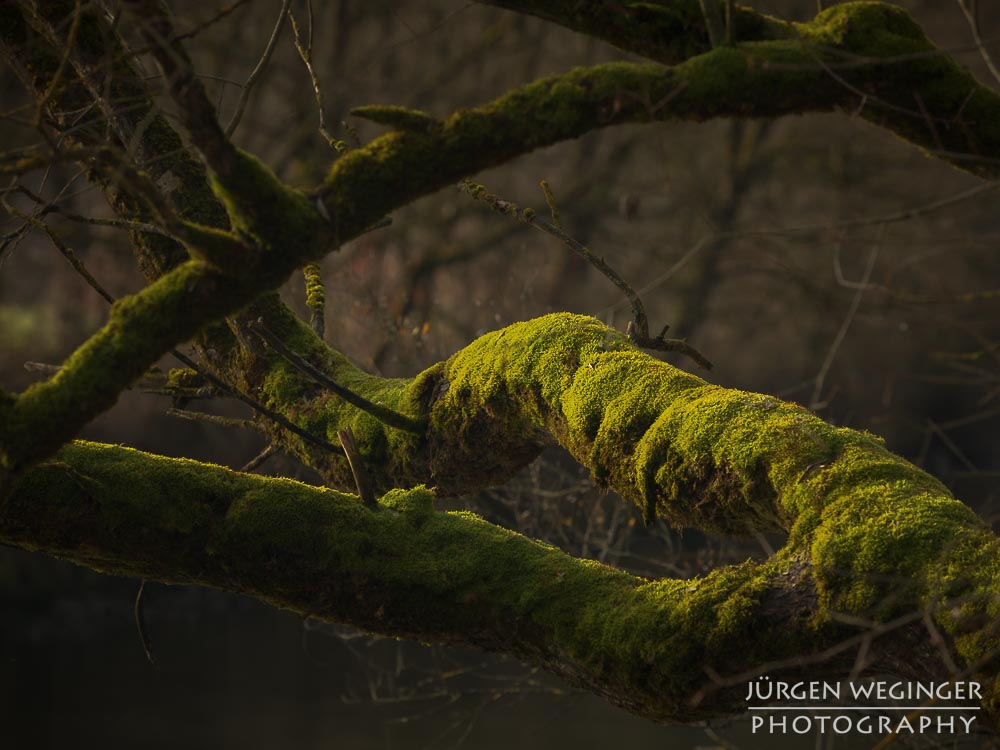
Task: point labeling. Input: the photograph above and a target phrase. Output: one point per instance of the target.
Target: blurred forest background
(815, 258)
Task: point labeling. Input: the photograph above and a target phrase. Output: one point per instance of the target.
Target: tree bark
(883, 569)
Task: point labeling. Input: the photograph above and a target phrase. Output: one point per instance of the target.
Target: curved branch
(873, 540)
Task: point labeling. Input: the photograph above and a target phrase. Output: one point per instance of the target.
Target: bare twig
(54, 84)
(258, 460)
(199, 416)
(48, 207)
(969, 11)
(256, 405)
(638, 329)
(258, 69)
(140, 623)
(220, 15)
(383, 414)
(304, 49)
(814, 402)
(361, 478)
(714, 22)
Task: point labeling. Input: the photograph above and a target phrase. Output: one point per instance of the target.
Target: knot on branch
(641, 338)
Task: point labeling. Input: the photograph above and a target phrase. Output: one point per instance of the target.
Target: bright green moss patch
(873, 26)
(418, 501)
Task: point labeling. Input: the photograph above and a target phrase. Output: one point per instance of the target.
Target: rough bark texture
(869, 534)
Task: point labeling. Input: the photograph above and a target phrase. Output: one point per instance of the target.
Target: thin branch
(383, 414)
(140, 622)
(258, 460)
(220, 15)
(52, 208)
(199, 416)
(973, 21)
(258, 70)
(361, 479)
(814, 402)
(256, 405)
(714, 22)
(305, 52)
(53, 86)
(638, 328)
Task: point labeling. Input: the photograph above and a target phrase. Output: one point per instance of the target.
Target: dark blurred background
(816, 258)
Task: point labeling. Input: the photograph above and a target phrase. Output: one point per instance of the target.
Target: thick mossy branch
(698, 454)
(910, 87)
(869, 534)
(876, 528)
(403, 569)
(864, 57)
(141, 328)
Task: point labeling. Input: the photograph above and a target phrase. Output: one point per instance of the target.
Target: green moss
(184, 378)
(418, 501)
(315, 294)
(269, 213)
(875, 26)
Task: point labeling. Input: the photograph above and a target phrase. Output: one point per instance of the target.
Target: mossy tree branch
(285, 229)
(869, 536)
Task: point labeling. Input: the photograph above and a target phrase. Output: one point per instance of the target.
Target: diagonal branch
(384, 415)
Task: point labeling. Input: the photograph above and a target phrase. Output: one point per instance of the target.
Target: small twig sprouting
(305, 49)
(638, 328)
(550, 200)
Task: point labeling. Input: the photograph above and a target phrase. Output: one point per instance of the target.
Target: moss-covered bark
(870, 534)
